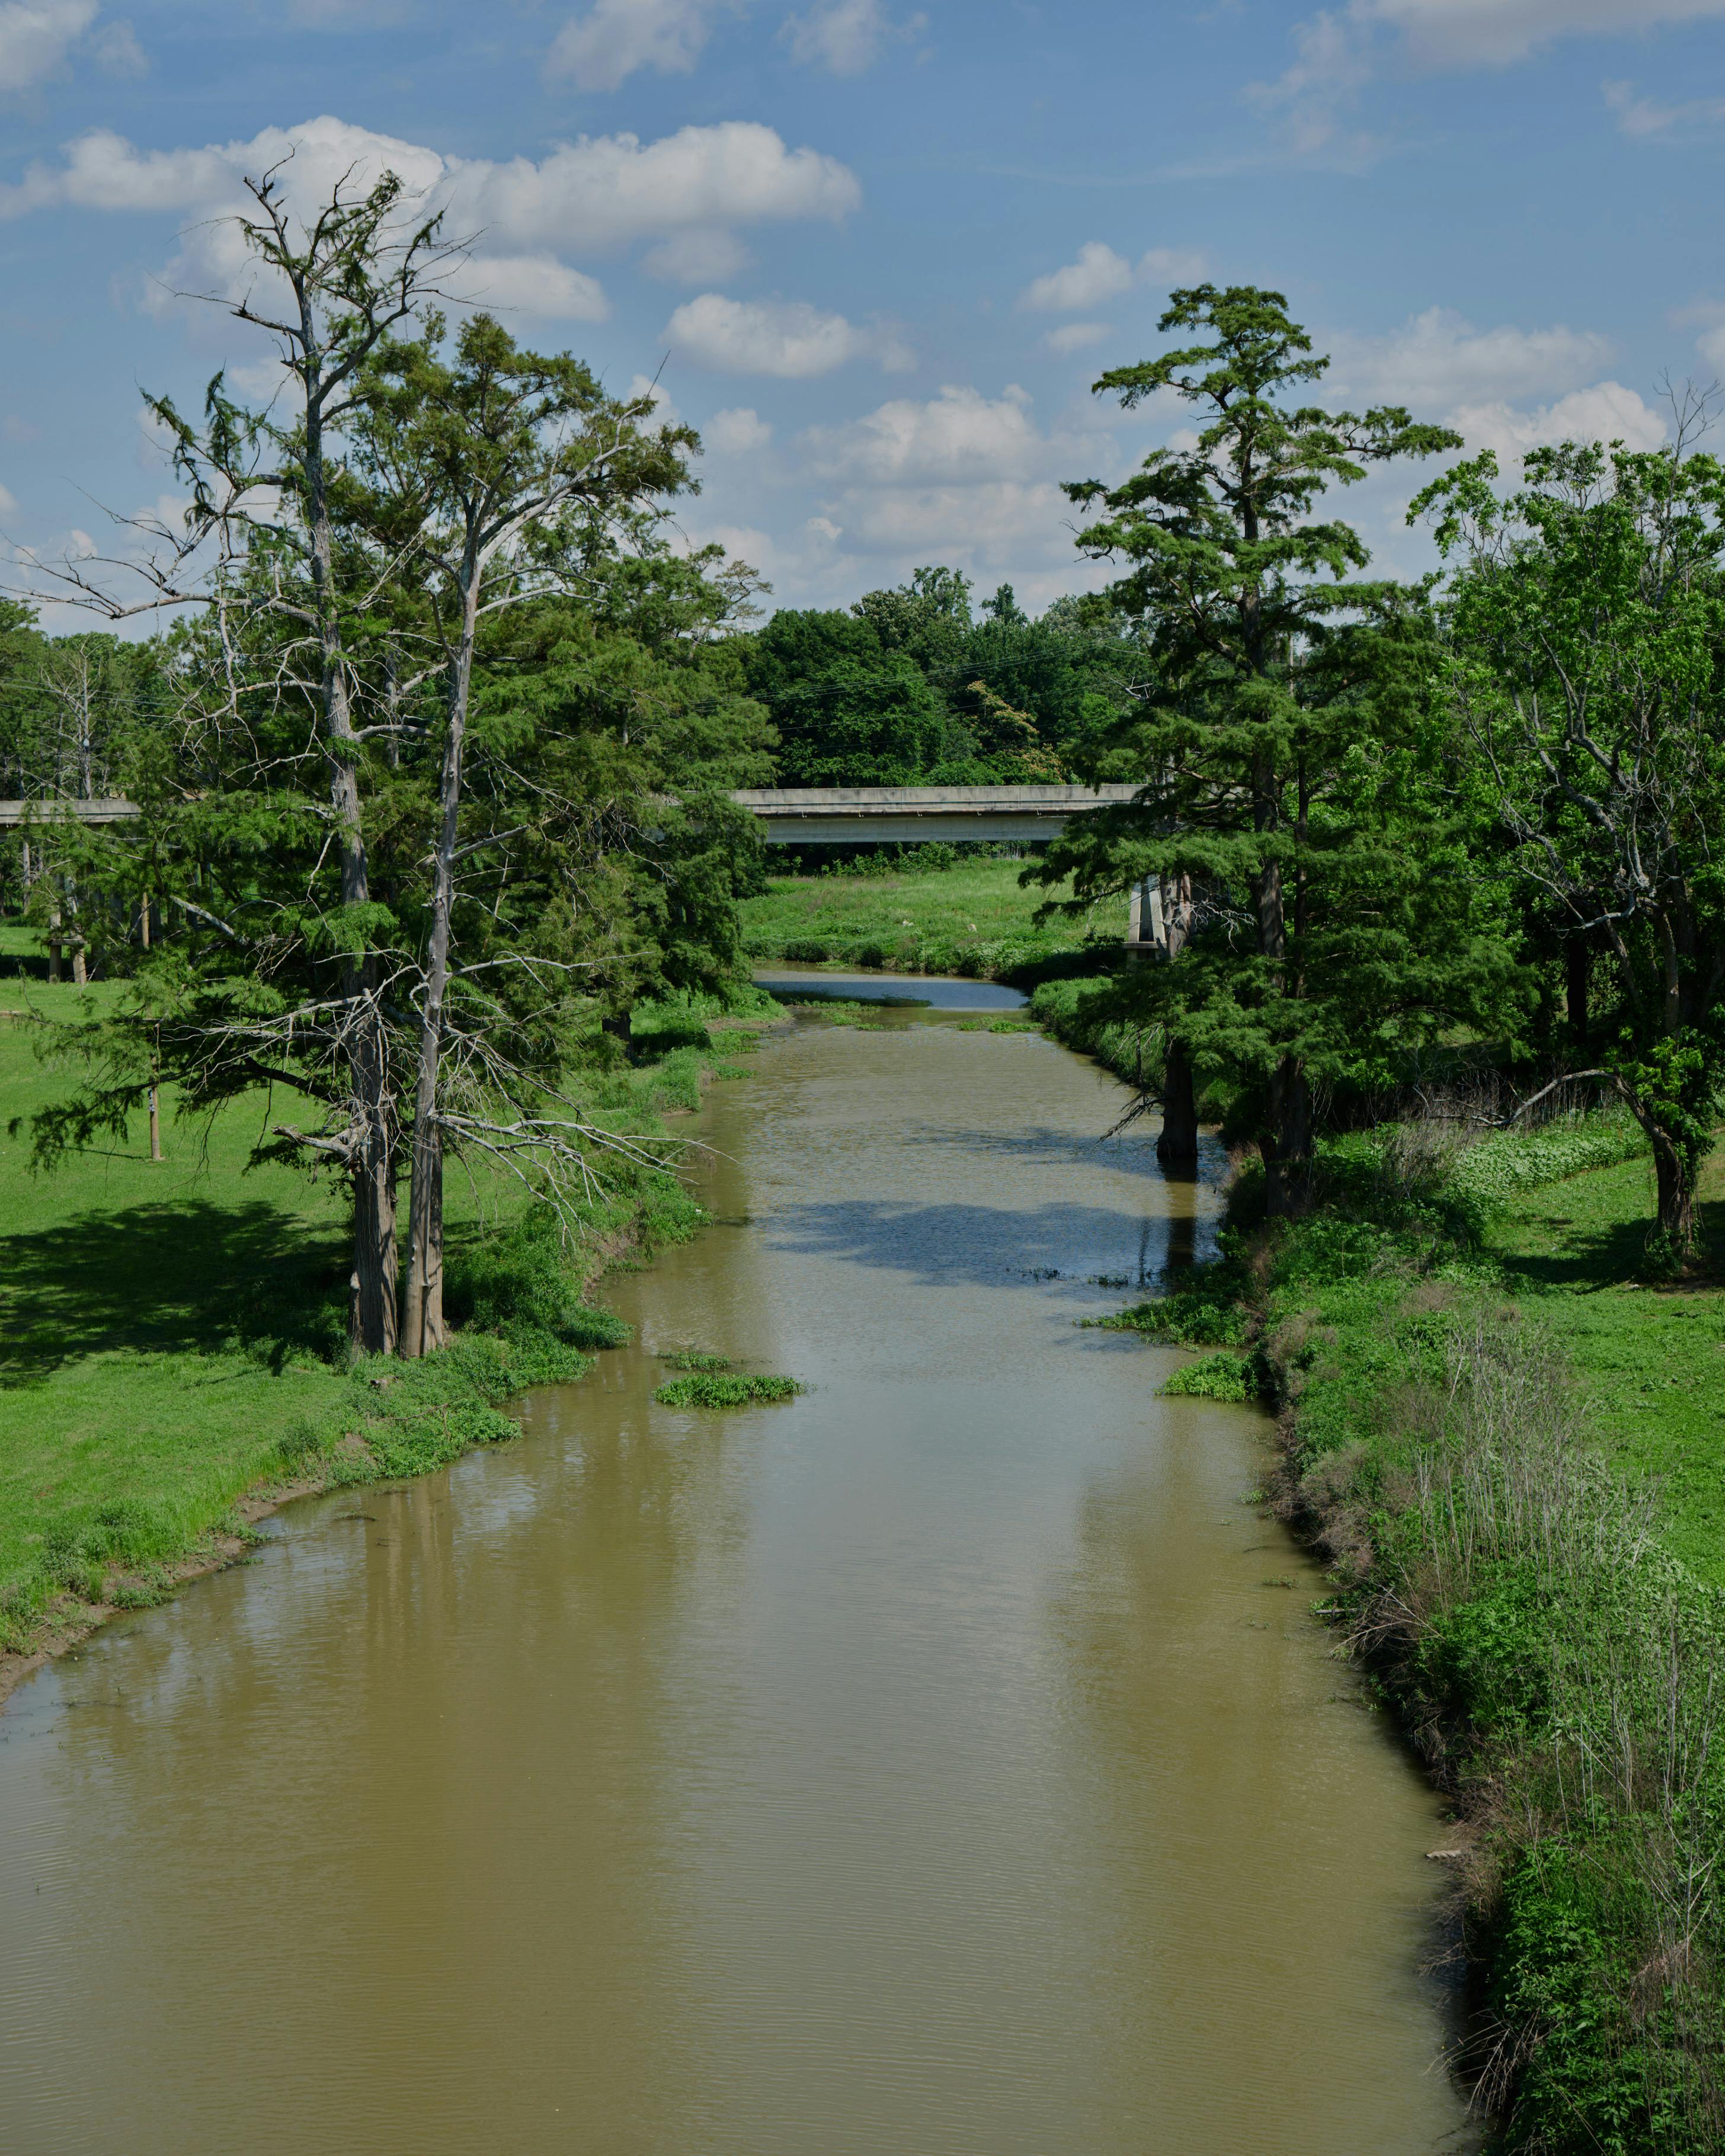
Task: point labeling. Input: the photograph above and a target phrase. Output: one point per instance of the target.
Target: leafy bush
(519, 1282)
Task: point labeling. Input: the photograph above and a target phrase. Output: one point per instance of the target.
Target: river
(942, 1764)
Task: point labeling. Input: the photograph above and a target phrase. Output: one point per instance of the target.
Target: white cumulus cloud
(1074, 337)
(846, 37)
(1492, 33)
(36, 36)
(1646, 115)
(1606, 412)
(697, 257)
(531, 284)
(602, 191)
(737, 432)
(1171, 265)
(602, 48)
(958, 435)
(664, 410)
(785, 337)
(959, 477)
(1439, 360)
(1100, 274)
(595, 195)
(1503, 388)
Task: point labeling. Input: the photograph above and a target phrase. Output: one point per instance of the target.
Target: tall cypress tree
(1274, 738)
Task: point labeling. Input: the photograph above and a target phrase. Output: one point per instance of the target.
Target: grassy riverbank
(173, 1333)
(970, 917)
(1509, 1446)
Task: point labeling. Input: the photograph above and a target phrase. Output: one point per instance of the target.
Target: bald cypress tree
(1287, 715)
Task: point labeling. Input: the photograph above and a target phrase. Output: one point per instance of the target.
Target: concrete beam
(111, 809)
(914, 815)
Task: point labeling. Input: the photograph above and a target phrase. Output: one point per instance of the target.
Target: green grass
(972, 919)
(709, 1388)
(1649, 1356)
(173, 1333)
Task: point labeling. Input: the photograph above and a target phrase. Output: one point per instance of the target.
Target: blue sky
(878, 251)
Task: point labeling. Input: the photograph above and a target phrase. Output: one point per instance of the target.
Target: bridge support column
(1146, 927)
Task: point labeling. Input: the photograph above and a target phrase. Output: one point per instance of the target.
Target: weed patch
(720, 1389)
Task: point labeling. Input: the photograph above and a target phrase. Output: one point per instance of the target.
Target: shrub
(519, 1282)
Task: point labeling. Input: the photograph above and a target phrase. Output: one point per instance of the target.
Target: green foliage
(518, 1282)
(1205, 1310)
(1215, 1378)
(693, 1358)
(716, 1389)
(1323, 907)
(1585, 640)
(1493, 1173)
(908, 688)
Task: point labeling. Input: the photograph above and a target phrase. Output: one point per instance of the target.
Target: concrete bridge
(111, 809)
(834, 816)
(912, 815)
(798, 816)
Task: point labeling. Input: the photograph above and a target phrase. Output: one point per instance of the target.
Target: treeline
(913, 686)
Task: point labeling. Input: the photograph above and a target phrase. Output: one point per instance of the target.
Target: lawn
(158, 1320)
(1650, 1357)
(973, 918)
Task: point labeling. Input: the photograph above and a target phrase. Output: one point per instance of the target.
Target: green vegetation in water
(972, 919)
(717, 1389)
(693, 1358)
(1221, 1377)
(1204, 1311)
(997, 1025)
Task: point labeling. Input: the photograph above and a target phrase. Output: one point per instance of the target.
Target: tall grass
(1564, 1672)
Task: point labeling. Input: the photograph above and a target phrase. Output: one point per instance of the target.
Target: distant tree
(1586, 631)
(848, 711)
(924, 619)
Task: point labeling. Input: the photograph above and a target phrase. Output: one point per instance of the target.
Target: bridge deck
(828, 815)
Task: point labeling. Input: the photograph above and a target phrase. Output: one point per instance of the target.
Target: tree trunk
(372, 1314)
(1287, 1159)
(1578, 968)
(53, 944)
(366, 1048)
(422, 1328)
(1675, 1176)
(155, 1125)
(1177, 1145)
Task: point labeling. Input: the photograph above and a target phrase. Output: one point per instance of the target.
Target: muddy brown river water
(945, 1763)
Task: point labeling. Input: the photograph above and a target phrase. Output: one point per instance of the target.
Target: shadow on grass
(187, 1276)
(1593, 1254)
